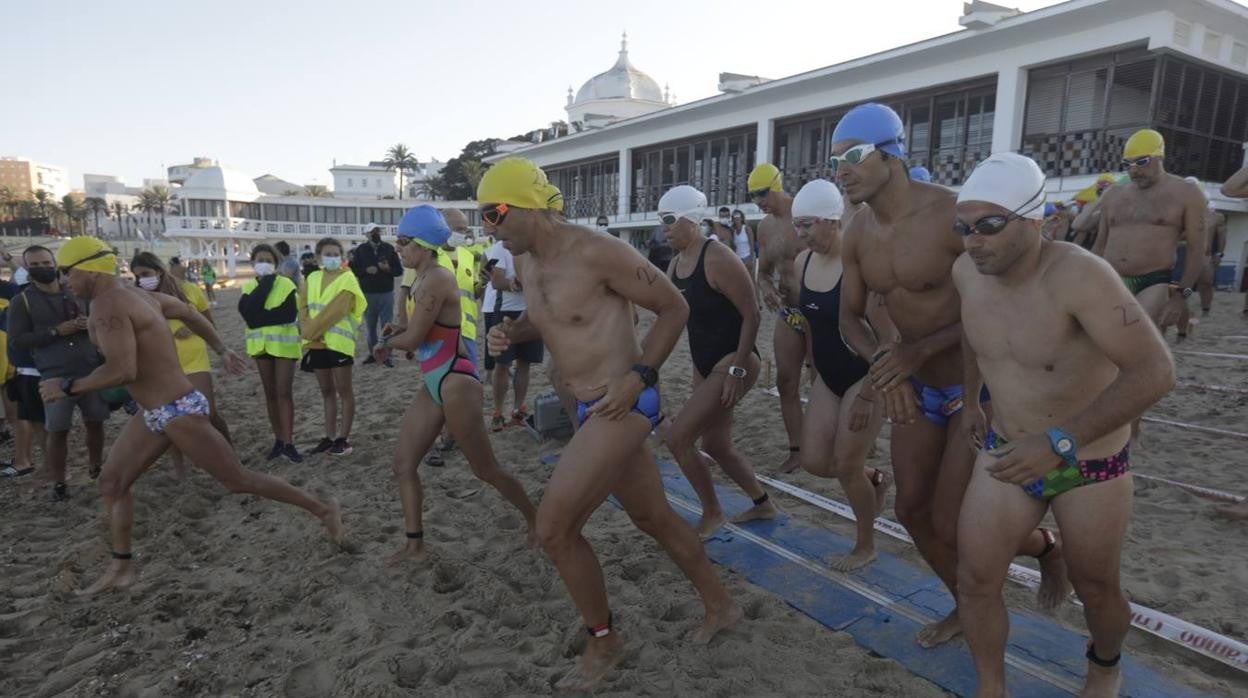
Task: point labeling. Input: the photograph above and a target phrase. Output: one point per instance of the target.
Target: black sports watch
(67, 386)
(649, 376)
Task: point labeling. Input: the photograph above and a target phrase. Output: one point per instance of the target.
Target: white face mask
(149, 283)
(725, 221)
(264, 268)
(21, 277)
(330, 263)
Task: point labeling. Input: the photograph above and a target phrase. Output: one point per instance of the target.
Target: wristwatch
(1187, 292)
(737, 372)
(1063, 444)
(649, 376)
(67, 386)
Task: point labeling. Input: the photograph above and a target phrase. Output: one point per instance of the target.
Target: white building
(621, 92)
(1066, 85)
(374, 181)
(180, 173)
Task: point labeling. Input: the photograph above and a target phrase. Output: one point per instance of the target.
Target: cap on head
(426, 227)
(1143, 143)
(685, 202)
(515, 182)
(819, 198)
(1012, 181)
(1191, 180)
(919, 173)
(554, 198)
(765, 176)
(88, 254)
(873, 123)
(370, 227)
(1049, 209)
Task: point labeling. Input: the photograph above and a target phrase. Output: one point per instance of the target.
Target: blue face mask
(331, 263)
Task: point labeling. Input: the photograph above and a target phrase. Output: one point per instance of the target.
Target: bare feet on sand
(1054, 585)
(854, 560)
(1101, 682)
(333, 521)
(766, 510)
(119, 575)
(412, 551)
(599, 658)
(710, 523)
(1234, 512)
(716, 620)
(940, 632)
(793, 462)
(881, 481)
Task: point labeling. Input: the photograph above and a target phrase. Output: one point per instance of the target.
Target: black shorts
(322, 359)
(528, 352)
(24, 390)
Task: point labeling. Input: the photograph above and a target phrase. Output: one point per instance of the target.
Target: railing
(728, 191)
(1079, 152)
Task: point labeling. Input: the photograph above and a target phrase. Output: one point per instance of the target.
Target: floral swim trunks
(1065, 477)
(193, 403)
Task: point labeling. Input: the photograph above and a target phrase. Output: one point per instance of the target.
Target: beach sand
(242, 597)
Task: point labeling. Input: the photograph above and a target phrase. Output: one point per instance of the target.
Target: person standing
(287, 263)
(23, 412)
(209, 277)
(376, 265)
(48, 321)
(331, 305)
(269, 306)
(504, 299)
(743, 242)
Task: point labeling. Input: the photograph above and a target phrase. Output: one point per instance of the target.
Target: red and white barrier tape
(1197, 427)
(1207, 492)
(1210, 354)
(1226, 650)
(1214, 388)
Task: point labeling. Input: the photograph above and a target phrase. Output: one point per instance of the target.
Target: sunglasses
(856, 155)
(402, 241)
(1138, 162)
(668, 218)
(494, 214)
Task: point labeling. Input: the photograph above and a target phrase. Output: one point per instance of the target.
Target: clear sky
(285, 87)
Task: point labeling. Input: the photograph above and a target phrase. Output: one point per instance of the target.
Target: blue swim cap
(873, 123)
(425, 225)
(920, 173)
(1049, 209)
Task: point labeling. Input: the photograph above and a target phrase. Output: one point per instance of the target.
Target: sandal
(497, 422)
(12, 471)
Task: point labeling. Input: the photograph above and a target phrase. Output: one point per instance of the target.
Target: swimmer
(722, 328)
(1066, 384)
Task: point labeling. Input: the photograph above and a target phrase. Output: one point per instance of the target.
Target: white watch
(737, 372)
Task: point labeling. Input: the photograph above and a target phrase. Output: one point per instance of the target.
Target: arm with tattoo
(638, 281)
(113, 331)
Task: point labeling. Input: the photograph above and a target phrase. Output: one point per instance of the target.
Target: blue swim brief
(648, 405)
(938, 404)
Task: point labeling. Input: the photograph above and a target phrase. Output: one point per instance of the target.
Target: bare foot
(882, 481)
(1101, 682)
(766, 510)
(940, 632)
(717, 620)
(1054, 585)
(854, 560)
(1234, 512)
(412, 551)
(710, 523)
(600, 657)
(333, 521)
(793, 462)
(119, 575)
(531, 540)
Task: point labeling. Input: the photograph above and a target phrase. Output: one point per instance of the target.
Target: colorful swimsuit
(793, 318)
(937, 404)
(1139, 282)
(1066, 477)
(648, 405)
(439, 357)
(193, 403)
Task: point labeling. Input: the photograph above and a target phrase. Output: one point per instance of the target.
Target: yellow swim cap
(1145, 142)
(88, 254)
(764, 176)
(554, 198)
(515, 182)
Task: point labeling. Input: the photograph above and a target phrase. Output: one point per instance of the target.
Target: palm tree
(120, 212)
(400, 159)
(72, 210)
(9, 199)
(95, 206)
(42, 199)
(159, 199)
(316, 191)
(435, 187)
(473, 171)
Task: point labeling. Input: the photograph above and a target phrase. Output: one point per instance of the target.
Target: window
(720, 161)
(590, 188)
(363, 183)
(350, 183)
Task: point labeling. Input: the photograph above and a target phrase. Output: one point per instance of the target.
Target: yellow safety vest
(341, 336)
(465, 271)
(278, 341)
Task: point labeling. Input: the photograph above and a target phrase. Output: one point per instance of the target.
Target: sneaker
(276, 451)
(290, 453)
(325, 444)
(341, 447)
(60, 492)
(519, 415)
(388, 363)
(447, 445)
(435, 460)
(370, 360)
(497, 422)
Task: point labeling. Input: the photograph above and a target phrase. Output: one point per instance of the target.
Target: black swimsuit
(839, 367)
(714, 323)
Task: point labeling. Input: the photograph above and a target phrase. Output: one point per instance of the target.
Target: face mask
(43, 275)
(375, 237)
(149, 283)
(725, 221)
(21, 277)
(705, 228)
(331, 263)
(264, 268)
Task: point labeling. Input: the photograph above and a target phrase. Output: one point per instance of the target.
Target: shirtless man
(1066, 384)
(902, 246)
(778, 245)
(1088, 221)
(453, 394)
(1142, 222)
(579, 286)
(129, 327)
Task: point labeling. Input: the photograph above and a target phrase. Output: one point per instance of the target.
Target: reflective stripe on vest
(341, 336)
(278, 341)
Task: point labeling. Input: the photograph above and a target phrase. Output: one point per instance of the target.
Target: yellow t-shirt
(192, 350)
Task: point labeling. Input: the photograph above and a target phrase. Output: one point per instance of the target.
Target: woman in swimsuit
(844, 414)
(448, 363)
(723, 324)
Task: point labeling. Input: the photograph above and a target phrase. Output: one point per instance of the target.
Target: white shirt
(512, 302)
(742, 240)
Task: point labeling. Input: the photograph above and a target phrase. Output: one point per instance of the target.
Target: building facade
(25, 176)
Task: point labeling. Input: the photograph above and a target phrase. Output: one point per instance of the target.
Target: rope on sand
(1210, 354)
(1197, 427)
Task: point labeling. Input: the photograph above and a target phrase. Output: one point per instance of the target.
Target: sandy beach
(243, 597)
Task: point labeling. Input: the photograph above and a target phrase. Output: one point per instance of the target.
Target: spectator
(288, 266)
(721, 227)
(49, 322)
(743, 241)
(659, 252)
(307, 263)
(376, 265)
(503, 298)
(26, 420)
(209, 276)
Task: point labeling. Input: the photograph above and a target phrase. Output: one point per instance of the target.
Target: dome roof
(622, 81)
(220, 180)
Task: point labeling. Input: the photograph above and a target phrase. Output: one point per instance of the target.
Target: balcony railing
(1079, 152)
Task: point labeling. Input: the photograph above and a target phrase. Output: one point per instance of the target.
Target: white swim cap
(684, 202)
(1192, 180)
(1012, 181)
(819, 198)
